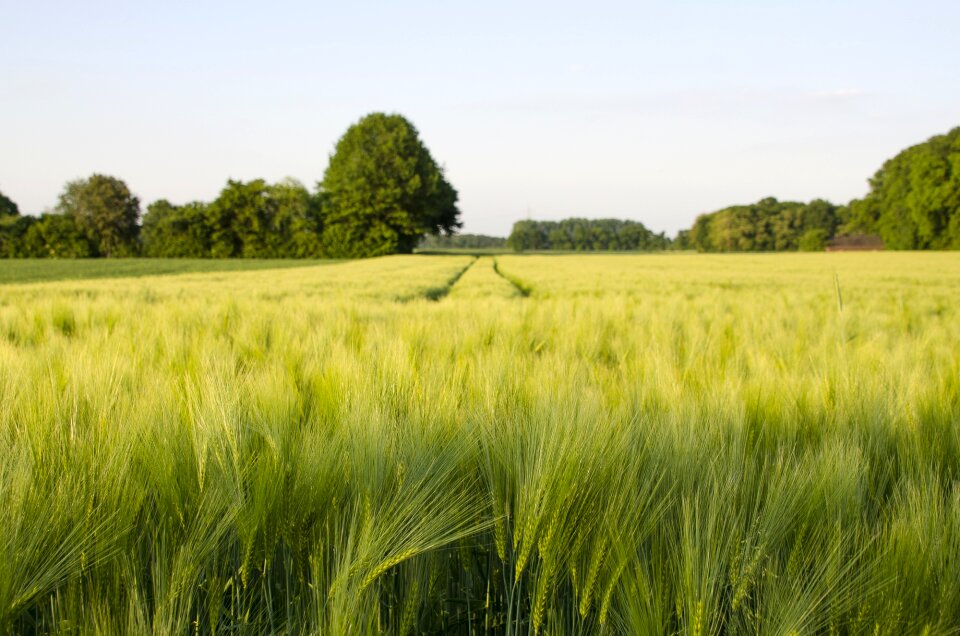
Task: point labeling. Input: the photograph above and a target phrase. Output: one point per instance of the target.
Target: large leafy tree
(383, 192)
(914, 199)
(105, 212)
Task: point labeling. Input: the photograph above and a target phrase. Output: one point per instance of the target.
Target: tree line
(914, 198)
(913, 204)
(585, 235)
(381, 193)
(462, 241)
(768, 226)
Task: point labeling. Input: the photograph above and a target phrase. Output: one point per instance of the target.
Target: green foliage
(175, 231)
(104, 212)
(247, 220)
(914, 203)
(814, 240)
(585, 235)
(462, 241)
(56, 236)
(297, 220)
(682, 241)
(766, 226)
(383, 192)
(12, 231)
(13, 228)
(50, 235)
(7, 206)
(914, 199)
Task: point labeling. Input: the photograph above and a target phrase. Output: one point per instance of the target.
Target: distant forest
(913, 203)
(585, 235)
(766, 226)
(462, 241)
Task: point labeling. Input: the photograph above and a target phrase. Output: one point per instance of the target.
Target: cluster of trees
(585, 235)
(248, 220)
(93, 217)
(766, 226)
(914, 199)
(913, 204)
(382, 193)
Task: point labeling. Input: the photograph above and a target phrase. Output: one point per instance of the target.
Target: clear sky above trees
(651, 111)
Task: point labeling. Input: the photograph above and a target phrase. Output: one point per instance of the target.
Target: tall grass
(642, 445)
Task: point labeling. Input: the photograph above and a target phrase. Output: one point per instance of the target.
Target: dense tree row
(585, 235)
(381, 193)
(768, 225)
(99, 217)
(913, 203)
(247, 220)
(94, 217)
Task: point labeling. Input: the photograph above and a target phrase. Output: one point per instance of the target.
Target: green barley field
(576, 444)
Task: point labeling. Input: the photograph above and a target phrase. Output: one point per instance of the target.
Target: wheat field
(577, 444)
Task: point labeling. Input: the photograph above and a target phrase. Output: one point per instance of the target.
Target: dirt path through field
(483, 281)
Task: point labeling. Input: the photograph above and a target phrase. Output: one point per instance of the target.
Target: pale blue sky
(654, 111)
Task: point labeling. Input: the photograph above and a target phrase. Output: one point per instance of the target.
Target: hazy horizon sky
(653, 111)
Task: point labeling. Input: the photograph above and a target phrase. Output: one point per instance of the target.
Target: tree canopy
(11, 227)
(767, 225)
(249, 220)
(914, 198)
(462, 241)
(913, 203)
(105, 213)
(7, 206)
(585, 235)
(383, 191)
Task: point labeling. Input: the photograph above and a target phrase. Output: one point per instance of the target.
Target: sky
(652, 111)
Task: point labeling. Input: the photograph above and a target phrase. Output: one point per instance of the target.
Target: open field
(649, 444)
(31, 270)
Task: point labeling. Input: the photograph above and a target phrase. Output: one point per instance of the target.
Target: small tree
(383, 192)
(105, 213)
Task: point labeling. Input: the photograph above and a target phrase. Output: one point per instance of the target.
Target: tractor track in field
(522, 288)
(439, 293)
